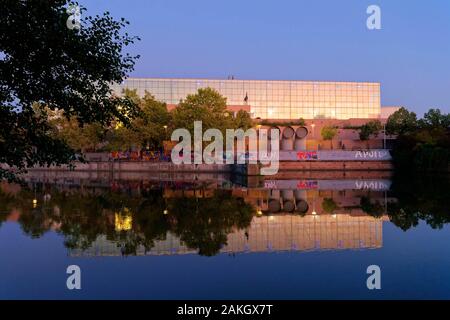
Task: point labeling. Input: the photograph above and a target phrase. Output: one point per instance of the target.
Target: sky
(296, 40)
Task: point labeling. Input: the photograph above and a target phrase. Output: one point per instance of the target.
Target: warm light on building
(123, 220)
(273, 99)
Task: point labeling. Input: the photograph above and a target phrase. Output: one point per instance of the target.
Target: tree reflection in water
(420, 198)
(202, 223)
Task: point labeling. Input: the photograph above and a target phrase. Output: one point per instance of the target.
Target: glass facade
(273, 99)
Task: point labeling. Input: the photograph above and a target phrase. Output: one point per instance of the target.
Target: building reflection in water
(211, 214)
(274, 233)
(299, 217)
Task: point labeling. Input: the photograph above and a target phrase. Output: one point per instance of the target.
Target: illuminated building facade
(274, 99)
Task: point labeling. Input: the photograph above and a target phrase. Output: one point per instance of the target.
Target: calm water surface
(219, 237)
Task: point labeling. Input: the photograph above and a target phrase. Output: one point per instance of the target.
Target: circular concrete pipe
(288, 133)
(301, 132)
(300, 138)
(287, 139)
(302, 206)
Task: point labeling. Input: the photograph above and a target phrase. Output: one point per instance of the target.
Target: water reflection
(212, 214)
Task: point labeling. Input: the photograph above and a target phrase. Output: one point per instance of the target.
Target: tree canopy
(401, 121)
(208, 106)
(328, 132)
(44, 64)
(148, 129)
(369, 129)
(423, 144)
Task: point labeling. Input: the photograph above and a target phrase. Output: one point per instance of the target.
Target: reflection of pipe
(300, 194)
(274, 194)
(302, 206)
(288, 200)
(274, 205)
(288, 206)
(287, 194)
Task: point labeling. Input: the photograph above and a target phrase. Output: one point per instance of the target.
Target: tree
(401, 122)
(328, 133)
(369, 129)
(208, 106)
(435, 119)
(77, 137)
(426, 146)
(46, 64)
(147, 129)
(243, 120)
(153, 122)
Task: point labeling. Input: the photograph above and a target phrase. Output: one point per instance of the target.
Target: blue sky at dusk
(296, 40)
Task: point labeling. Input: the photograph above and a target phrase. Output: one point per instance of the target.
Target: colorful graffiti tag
(307, 155)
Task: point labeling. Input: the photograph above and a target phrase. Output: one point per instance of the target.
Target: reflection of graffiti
(137, 156)
(270, 184)
(307, 155)
(371, 185)
(152, 185)
(307, 184)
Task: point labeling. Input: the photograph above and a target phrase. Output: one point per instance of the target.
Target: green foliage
(46, 65)
(435, 119)
(426, 147)
(301, 122)
(85, 216)
(243, 120)
(329, 132)
(148, 129)
(419, 197)
(373, 208)
(371, 128)
(401, 122)
(78, 137)
(208, 106)
(329, 205)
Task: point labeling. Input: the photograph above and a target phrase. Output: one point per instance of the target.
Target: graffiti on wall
(372, 154)
(307, 155)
